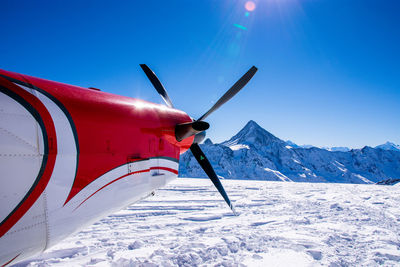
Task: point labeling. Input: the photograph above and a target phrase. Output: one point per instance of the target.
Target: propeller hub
(185, 130)
(200, 126)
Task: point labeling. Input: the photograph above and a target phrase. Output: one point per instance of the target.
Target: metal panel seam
(46, 219)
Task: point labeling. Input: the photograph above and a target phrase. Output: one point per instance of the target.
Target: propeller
(157, 84)
(198, 127)
(231, 92)
(208, 169)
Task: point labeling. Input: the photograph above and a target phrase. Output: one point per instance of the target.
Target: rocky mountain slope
(389, 146)
(254, 153)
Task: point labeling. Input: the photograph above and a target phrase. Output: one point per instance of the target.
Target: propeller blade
(231, 92)
(157, 84)
(208, 169)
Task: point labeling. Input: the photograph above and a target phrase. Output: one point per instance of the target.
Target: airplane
(71, 156)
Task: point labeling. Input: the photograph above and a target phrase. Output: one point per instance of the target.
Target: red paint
(128, 174)
(165, 169)
(8, 262)
(45, 177)
(113, 129)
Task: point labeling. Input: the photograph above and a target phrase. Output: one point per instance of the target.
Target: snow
(363, 179)
(389, 146)
(253, 152)
(239, 146)
(296, 161)
(279, 224)
(279, 175)
(337, 149)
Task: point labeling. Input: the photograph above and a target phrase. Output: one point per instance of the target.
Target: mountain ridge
(255, 153)
(389, 146)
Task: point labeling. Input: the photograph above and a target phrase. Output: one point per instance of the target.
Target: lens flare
(240, 26)
(250, 6)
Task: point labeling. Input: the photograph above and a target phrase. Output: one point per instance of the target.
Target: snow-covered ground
(279, 224)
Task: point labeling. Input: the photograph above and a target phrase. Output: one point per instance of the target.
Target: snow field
(279, 224)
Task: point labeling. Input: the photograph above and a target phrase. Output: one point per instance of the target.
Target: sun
(250, 6)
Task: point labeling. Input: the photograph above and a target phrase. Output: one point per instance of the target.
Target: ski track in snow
(279, 224)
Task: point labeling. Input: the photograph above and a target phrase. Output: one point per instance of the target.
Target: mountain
(335, 148)
(253, 134)
(254, 153)
(291, 144)
(389, 182)
(389, 146)
(338, 148)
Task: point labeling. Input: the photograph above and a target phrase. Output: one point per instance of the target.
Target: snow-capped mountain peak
(252, 134)
(254, 153)
(389, 146)
(208, 142)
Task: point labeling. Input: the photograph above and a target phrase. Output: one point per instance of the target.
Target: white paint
(64, 170)
(115, 196)
(20, 155)
(27, 237)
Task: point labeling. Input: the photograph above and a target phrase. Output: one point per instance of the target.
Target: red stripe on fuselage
(42, 181)
(128, 174)
(112, 130)
(10, 261)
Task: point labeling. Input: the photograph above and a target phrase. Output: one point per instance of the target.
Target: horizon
(329, 72)
(301, 145)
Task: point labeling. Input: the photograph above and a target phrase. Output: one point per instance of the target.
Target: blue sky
(329, 71)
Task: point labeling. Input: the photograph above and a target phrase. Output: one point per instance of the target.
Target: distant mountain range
(254, 153)
(385, 146)
(389, 146)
